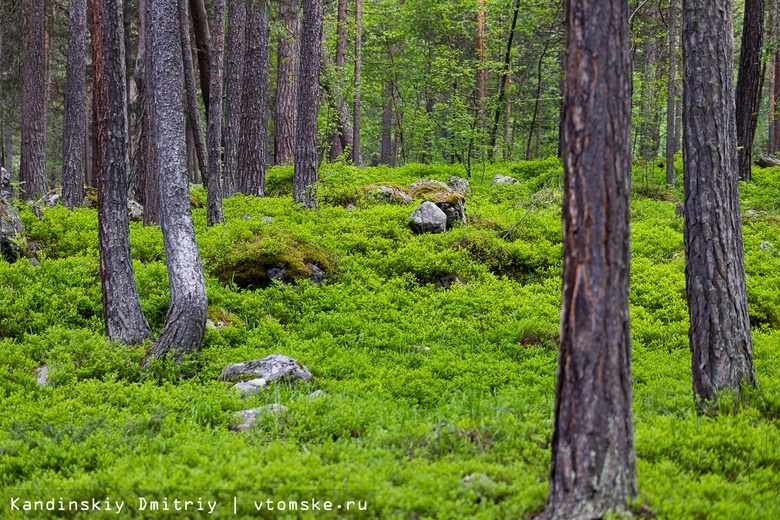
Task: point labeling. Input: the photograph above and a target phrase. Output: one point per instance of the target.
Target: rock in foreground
(428, 218)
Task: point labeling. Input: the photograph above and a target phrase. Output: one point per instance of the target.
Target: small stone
(764, 245)
(248, 418)
(679, 209)
(350, 207)
(317, 275)
(270, 368)
(267, 219)
(751, 213)
(249, 388)
(246, 217)
(42, 376)
(135, 211)
(504, 179)
(316, 394)
(428, 218)
(51, 198)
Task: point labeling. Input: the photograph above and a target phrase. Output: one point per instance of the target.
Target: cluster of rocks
(252, 377)
(443, 206)
(12, 236)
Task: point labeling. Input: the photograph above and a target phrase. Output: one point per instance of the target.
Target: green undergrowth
(436, 353)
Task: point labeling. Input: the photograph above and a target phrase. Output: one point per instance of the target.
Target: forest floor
(438, 400)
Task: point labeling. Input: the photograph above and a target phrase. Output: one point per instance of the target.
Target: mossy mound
(430, 190)
(387, 193)
(268, 257)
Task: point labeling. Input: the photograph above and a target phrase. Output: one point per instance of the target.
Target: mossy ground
(425, 386)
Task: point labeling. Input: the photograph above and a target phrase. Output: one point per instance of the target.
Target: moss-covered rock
(429, 190)
(12, 237)
(388, 193)
(268, 257)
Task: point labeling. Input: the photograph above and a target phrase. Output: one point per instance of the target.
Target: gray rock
(12, 235)
(388, 194)
(317, 394)
(278, 272)
(270, 368)
(135, 211)
(459, 185)
(350, 207)
(42, 376)
(248, 418)
(51, 199)
(765, 244)
(249, 388)
(480, 483)
(751, 213)
(267, 220)
(455, 209)
(679, 209)
(6, 193)
(246, 217)
(428, 218)
(317, 275)
(504, 179)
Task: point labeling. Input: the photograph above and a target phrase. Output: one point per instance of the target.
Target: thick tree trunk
(254, 121)
(234, 79)
(122, 313)
(32, 167)
(193, 107)
(356, 157)
(186, 318)
(75, 117)
(214, 177)
(720, 340)
(671, 93)
(748, 83)
(593, 458)
(200, 22)
(305, 170)
(286, 82)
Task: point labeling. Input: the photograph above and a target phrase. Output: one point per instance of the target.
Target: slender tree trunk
(537, 100)
(89, 137)
(286, 82)
(503, 87)
(200, 22)
(2, 115)
(720, 340)
(336, 148)
(593, 458)
(213, 179)
(772, 78)
(186, 318)
(481, 70)
(671, 93)
(386, 151)
(75, 116)
(776, 111)
(151, 193)
(234, 71)
(122, 313)
(193, 108)
(254, 121)
(357, 159)
(748, 83)
(507, 118)
(305, 170)
(32, 167)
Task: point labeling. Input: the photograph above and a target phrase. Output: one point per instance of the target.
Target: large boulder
(428, 218)
(269, 368)
(135, 211)
(12, 237)
(459, 185)
(6, 192)
(51, 199)
(454, 206)
(504, 179)
(429, 189)
(388, 193)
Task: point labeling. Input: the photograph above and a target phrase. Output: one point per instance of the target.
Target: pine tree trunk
(75, 117)
(357, 158)
(200, 23)
(234, 79)
(748, 84)
(254, 120)
(720, 339)
(305, 170)
(193, 107)
(503, 87)
(336, 147)
(386, 150)
(593, 458)
(151, 193)
(213, 179)
(32, 167)
(671, 93)
(122, 313)
(186, 319)
(286, 82)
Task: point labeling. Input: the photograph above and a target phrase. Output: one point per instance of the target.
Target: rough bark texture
(671, 93)
(286, 84)
(503, 104)
(122, 313)
(200, 23)
(186, 318)
(356, 157)
(305, 170)
(213, 179)
(32, 167)
(593, 458)
(748, 83)
(720, 340)
(338, 138)
(254, 120)
(234, 79)
(193, 108)
(74, 124)
(151, 193)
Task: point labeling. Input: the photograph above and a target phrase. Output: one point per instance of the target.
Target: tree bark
(386, 149)
(213, 179)
(671, 93)
(234, 72)
(356, 157)
(186, 318)
(481, 70)
(122, 313)
(286, 82)
(32, 167)
(200, 22)
(503, 103)
(720, 339)
(593, 458)
(336, 146)
(748, 83)
(305, 169)
(151, 193)
(75, 117)
(772, 79)
(193, 108)
(254, 120)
